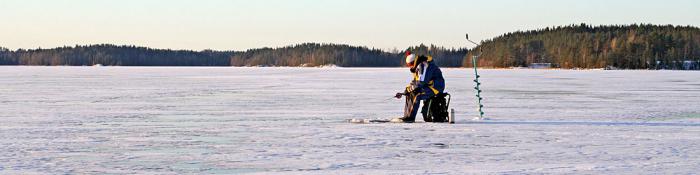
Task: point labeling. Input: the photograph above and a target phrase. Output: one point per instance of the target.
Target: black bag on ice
(438, 108)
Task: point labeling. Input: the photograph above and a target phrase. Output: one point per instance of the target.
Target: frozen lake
(167, 120)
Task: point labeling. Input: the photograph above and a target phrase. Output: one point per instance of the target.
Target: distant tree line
(106, 54)
(313, 54)
(574, 46)
(584, 46)
(308, 54)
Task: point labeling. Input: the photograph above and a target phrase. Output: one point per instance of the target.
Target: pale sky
(244, 24)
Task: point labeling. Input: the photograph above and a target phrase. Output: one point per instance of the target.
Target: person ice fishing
(426, 84)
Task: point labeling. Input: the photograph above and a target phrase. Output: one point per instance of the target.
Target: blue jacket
(428, 78)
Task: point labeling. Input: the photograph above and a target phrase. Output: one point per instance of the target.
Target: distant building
(540, 65)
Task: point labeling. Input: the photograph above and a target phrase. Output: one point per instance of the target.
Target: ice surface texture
(168, 120)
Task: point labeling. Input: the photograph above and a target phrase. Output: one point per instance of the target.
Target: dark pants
(411, 108)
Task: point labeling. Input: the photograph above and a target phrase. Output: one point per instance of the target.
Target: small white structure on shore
(540, 65)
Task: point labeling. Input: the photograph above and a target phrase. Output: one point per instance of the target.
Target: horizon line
(215, 50)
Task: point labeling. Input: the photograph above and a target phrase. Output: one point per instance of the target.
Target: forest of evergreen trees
(312, 54)
(585, 46)
(112, 55)
(309, 54)
(573, 46)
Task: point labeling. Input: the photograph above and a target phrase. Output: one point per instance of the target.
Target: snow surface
(175, 120)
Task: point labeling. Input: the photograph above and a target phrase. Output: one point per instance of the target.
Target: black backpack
(438, 108)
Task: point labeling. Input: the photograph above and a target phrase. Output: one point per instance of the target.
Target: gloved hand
(415, 88)
(398, 95)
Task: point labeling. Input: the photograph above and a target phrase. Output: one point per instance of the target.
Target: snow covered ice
(174, 120)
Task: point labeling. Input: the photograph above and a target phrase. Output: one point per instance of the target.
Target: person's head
(412, 60)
